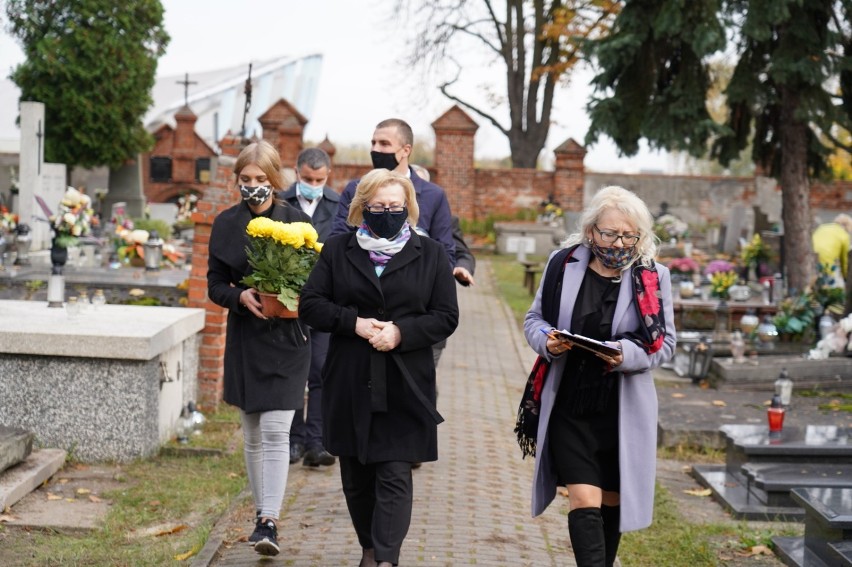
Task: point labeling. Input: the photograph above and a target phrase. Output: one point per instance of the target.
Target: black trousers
(379, 497)
(308, 430)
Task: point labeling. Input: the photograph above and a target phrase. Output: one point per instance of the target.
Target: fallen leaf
(188, 554)
(760, 550)
(233, 475)
(171, 530)
(83, 491)
(95, 499)
(699, 492)
(70, 499)
(562, 491)
(62, 481)
(678, 395)
(719, 403)
(7, 518)
(154, 503)
(51, 496)
(136, 292)
(242, 538)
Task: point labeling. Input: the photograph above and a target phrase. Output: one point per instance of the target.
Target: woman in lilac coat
(597, 429)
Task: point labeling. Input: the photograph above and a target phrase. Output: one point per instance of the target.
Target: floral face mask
(613, 258)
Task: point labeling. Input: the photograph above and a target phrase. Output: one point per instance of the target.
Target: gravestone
(30, 166)
(733, 230)
(125, 184)
(37, 178)
(15, 445)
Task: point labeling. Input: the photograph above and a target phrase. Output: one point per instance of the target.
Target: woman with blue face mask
(592, 422)
(386, 295)
(266, 360)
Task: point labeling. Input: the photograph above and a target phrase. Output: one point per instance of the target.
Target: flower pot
(271, 307)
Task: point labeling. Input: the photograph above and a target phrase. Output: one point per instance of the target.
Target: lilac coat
(637, 395)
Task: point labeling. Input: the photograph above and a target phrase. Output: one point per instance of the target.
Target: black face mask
(384, 161)
(386, 224)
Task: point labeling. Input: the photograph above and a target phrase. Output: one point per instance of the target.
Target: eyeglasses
(611, 237)
(379, 209)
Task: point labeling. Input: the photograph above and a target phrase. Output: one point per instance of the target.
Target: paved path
(471, 506)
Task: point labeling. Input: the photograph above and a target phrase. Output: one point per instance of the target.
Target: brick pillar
(329, 148)
(183, 151)
(569, 176)
(219, 196)
(454, 166)
(283, 127)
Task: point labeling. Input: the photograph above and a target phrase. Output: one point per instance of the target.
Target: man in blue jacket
(311, 195)
(390, 149)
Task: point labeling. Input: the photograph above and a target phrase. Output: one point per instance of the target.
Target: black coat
(324, 213)
(417, 292)
(266, 361)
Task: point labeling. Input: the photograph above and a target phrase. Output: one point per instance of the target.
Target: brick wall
(184, 147)
(219, 196)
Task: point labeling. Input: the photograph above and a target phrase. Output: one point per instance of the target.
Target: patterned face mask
(613, 258)
(255, 195)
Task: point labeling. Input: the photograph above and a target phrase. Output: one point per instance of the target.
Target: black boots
(594, 535)
(611, 516)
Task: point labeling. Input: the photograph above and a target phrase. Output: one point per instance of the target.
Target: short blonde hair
(627, 203)
(370, 184)
(266, 157)
(845, 221)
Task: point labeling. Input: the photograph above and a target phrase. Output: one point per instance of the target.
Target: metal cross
(248, 103)
(39, 135)
(186, 82)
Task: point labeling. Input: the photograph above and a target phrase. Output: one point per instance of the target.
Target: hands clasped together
(382, 335)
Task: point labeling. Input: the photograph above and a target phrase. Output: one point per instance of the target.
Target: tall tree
(535, 43)
(92, 63)
(791, 87)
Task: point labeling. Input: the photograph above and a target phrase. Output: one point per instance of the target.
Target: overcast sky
(362, 81)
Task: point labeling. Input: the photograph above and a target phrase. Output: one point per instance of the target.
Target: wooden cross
(186, 82)
(39, 135)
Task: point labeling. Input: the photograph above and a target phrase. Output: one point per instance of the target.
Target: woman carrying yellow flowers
(266, 360)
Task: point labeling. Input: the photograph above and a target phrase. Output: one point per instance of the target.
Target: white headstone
(52, 190)
(31, 166)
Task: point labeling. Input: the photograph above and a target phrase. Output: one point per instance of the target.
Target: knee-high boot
(586, 528)
(611, 516)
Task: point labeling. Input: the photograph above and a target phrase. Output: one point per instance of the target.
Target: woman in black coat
(266, 360)
(387, 295)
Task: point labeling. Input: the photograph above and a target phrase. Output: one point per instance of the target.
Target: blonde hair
(845, 221)
(630, 205)
(370, 184)
(265, 156)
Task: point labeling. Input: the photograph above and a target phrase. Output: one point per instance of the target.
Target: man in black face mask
(390, 149)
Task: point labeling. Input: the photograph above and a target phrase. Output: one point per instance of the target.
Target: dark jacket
(324, 213)
(464, 257)
(434, 213)
(418, 293)
(266, 361)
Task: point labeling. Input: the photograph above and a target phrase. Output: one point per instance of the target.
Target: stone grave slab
(828, 529)
(751, 446)
(15, 445)
(23, 478)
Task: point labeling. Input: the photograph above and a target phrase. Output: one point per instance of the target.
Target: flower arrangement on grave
(668, 227)
(684, 266)
(281, 256)
(8, 221)
(131, 244)
(795, 316)
(839, 340)
(73, 218)
(722, 275)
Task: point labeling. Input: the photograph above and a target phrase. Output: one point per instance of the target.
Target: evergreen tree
(791, 88)
(92, 63)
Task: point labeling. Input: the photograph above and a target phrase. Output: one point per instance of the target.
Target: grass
(671, 539)
(164, 508)
(509, 275)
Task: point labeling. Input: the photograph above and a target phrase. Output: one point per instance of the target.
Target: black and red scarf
(649, 336)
